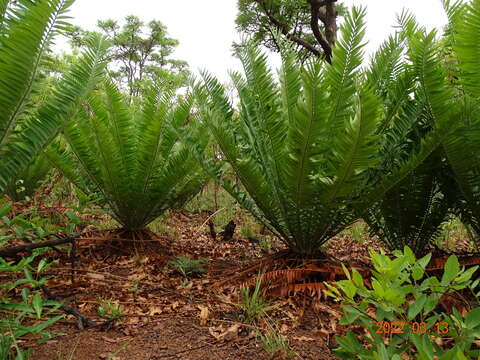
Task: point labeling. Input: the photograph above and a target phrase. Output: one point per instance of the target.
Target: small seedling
(265, 244)
(252, 305)
(187, 266)
(275, 344)
(109, 309)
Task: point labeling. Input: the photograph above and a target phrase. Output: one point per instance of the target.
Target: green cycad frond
(138, 160)
(39, 128)
(356, 150)
(435, 99)
(462, 147)
(66, 162)
(412, 213)
(311, 123)
(343, 72)
(456, 12)
(26, 31)
(467, 49)
(386, 64)
(301, 146)
(22, 50)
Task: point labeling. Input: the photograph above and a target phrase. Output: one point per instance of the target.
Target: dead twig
(83, 321)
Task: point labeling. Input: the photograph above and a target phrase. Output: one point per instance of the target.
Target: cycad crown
(137, 160)
(301, 148)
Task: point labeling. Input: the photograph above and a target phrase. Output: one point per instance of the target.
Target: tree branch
(285, 31)
(83, 321)
(329, 21)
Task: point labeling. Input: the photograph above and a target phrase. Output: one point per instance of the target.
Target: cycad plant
(27, 29)
(301, 148)
(412, 212)
(454, 94)
(136, 158)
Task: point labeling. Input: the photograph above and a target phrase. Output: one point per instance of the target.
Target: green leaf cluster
(27, 29)
(31, 304)
(402, 293)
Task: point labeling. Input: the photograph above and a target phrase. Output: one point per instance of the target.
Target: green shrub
(23, 308)
(400, 315)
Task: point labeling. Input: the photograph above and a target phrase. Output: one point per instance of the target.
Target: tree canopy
(310, 24)
(141, 54)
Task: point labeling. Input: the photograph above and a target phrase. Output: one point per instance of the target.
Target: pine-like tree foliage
(301, 148)
(26, 32)
(139, 161)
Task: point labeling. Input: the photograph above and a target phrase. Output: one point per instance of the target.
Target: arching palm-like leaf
(302, 147)
(136, 159)
(463, 146)
(27, 29)
(29, 180)
(411, 213)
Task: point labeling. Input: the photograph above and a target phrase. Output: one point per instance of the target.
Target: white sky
(206, 28)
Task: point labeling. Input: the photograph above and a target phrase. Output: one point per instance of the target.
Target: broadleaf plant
(399, 314)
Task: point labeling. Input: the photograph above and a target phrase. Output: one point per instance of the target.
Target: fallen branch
(11, 252)
(83, 321)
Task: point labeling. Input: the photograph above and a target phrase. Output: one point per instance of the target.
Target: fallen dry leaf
(219, 333)
(203, 315)
(96, 276)
(109, 340)
(303, 338)
(155, 310)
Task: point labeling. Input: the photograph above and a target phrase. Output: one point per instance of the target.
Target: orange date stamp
(400, 327)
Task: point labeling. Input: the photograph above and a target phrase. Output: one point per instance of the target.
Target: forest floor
(165, 315)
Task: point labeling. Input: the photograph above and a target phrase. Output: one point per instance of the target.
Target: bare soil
(169, 316)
